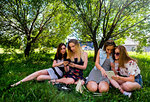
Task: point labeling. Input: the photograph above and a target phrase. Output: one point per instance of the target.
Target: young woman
(97, 79)
(52, 73)
(76, 63)
(129, 77)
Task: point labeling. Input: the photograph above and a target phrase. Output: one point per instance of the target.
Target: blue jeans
(138, 79)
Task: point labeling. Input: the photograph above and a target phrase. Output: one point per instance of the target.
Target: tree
(105, 19)
(29, 19)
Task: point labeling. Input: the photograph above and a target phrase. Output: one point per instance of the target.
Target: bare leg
(31, 77)
(116, 85)
(130, 86)
(103, 86)
(43, 77)
(66, 80)
(120, 82)
(92, 86)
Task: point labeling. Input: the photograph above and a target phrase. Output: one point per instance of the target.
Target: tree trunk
(95, 48)
(101, 43)
(27, 50)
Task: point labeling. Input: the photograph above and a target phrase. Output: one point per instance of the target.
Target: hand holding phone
(71, 64)
(66, 62)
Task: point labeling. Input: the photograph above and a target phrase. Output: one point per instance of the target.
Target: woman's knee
(92, 86)
(130, 86)
(103, 87)
(43, 77)
(39, 78)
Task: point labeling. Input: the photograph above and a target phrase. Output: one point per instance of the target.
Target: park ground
(14, 67)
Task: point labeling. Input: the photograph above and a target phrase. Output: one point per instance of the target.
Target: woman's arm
(98, 65)
(66, 68)
(113, 68)
(131, 78)
(132, 70)
(83, 67)
(55, 64)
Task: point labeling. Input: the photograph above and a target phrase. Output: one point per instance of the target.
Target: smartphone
(68, 60)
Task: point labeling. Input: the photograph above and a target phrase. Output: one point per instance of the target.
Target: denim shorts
(138, 79)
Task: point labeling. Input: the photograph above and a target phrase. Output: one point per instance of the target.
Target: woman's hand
(72, 65)
(62, 62)
(103, 72)
(116, 77)
(55, 64)
(65, 63)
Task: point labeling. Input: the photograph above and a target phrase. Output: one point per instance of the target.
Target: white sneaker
(127, 94)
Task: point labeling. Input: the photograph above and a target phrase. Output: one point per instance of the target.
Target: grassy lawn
(14, 67)
(1, 50)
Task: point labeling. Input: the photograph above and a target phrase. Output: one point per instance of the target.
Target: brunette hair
(109, 43)
(59, 54)
(123, 56)
(78, 48)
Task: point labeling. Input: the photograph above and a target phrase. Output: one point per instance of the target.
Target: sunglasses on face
(117, 54)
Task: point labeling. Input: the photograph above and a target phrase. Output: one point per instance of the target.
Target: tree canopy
(100, 20)
(46, 23)
(33, 21)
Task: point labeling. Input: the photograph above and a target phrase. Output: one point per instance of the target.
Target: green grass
(1, 50)
(14, 67)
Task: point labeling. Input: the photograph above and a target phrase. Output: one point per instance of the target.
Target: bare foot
(15, 84)
(53, 82)
(82, 82)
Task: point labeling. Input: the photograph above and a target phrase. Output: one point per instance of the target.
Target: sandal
(62, 86)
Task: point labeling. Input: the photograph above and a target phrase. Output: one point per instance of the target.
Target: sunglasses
(117, 54)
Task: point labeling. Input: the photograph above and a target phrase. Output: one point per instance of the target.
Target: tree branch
(98, 19)
(36, 16)
(117, 17)
(129, 27)
(41, 27)
(70, 7)
(120, 11)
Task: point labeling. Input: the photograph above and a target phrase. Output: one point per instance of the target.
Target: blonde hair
(79, 51)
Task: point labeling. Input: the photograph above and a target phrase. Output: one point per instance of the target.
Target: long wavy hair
(79, 51)
(59, 54)
(110, 43)
(123, 56)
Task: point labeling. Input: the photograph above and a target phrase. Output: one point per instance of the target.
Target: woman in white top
(128, 77)
(55, 72)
